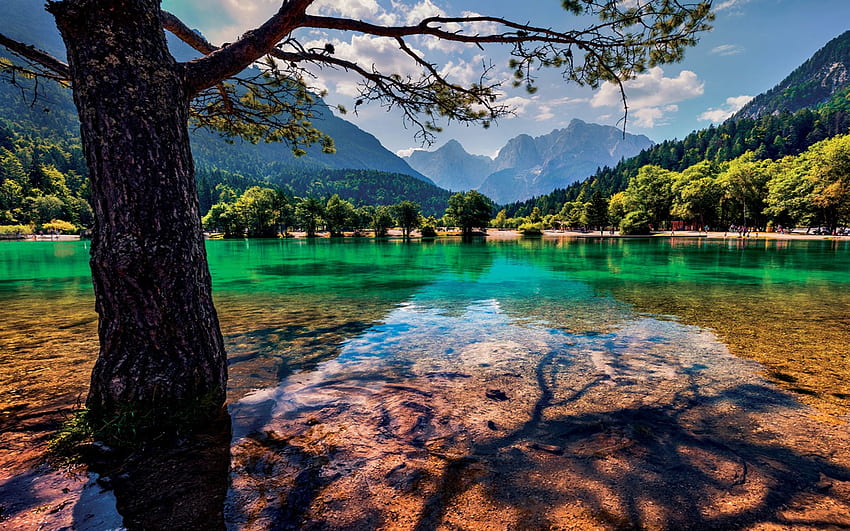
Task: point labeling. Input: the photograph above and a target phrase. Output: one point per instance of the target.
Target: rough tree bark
(160, 344)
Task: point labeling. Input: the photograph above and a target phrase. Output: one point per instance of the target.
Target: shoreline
(512, 234)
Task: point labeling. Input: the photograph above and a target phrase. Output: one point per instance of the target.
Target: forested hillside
(772, 136)
(809, 86)
(810, 105)
(360, 187)
(43, 175)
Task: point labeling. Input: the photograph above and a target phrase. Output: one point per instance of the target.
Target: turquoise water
(287, 306)
(492, 384)
(368, 266)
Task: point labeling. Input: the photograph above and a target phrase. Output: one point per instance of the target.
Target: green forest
(263, 212)
(44, 179)
(811, 189)
(769, 138)
(781, 169)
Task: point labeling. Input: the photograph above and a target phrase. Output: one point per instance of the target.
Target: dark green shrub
(428, 231)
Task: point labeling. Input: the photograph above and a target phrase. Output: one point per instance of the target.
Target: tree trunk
(160, 343)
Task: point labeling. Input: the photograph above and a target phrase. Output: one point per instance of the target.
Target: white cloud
(407, 151)
(368, 10)
(731, 8)
(545, 114)
(649, 117)
(518, 104)
(727, 49)
(479, 28)
(730, 4)
(423, 9)
(733, 105)
(548, 109)
(463, 72)
(651, 96)
(365, 50)
(651, 89)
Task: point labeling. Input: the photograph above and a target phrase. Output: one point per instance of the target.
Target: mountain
(812, 84)
(810, 105)
(355, 149)
(49, 113)
(531, 167)
(451, 167)
(527, 166)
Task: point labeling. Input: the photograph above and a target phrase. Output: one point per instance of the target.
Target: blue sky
(753, 46)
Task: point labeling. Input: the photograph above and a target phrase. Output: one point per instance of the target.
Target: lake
(421, 385)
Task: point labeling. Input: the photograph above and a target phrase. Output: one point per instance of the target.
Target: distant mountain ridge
(810, 105)
(355, 149)
(811, 84)
(527, 166)
(451, 167)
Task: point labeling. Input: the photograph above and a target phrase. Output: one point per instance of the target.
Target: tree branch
(623, 42)
(230, 60)
(180, 30)
(55, 69)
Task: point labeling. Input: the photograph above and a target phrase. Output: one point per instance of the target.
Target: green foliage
(372, 187)
(796, 133)
(59, 225)
(811, 188)
(309, 213)
(428, 227)
(382, 220)
(572, 213)
(635, 223)
(744, 189)
(256, 212)
(339, 214)
(531, 228)
(7, 231)
(42, 168)
(501, 219)
(469, 210)
(651, 192)
(596, 212)
(827, 168)
(75, 431)
(618, 207)
(697, 193)
(407, 216)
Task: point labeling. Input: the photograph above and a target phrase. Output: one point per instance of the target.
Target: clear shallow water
(422, 383)
(287, 305)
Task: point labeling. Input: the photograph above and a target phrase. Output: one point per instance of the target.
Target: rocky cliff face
(528, 166)
(531, 167)
(451, 167)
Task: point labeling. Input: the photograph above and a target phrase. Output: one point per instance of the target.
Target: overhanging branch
(52, 67)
